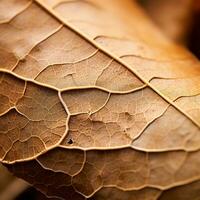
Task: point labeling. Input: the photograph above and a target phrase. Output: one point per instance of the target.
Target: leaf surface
(95, 103)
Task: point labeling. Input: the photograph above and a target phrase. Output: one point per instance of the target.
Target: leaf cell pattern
(89, 110)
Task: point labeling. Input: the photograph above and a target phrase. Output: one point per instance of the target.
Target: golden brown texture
(98, 104)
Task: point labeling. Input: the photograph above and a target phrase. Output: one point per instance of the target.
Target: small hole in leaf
(70, 141)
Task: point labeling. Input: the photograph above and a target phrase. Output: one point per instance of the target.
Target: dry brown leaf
(95, 103)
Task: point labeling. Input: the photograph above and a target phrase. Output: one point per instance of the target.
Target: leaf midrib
(119, 60)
